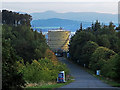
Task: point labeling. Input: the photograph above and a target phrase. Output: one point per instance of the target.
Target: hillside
(53, 23)
(78, 16)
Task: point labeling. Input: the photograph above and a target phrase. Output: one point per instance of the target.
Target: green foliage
(15, 19)
(96, 26)
(111, 68)
(111, 26)
(77, 43)
(105, 57)
(100, 57)
(41, 70)
(103, 40)
(108, 69)
(114, 43)
(87, 51)
(19, 42)
(25, 42)
(11, 78)
(117, 66)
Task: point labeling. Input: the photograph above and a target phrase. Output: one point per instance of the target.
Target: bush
(117, 66)
(11, 78)
(41, 70)
(100, 57)
(103, 40)
(108, 69)
(87, 51)
(77, 43)
(50, 55)
(111, 68)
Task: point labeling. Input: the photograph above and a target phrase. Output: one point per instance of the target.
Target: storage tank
(58, 39)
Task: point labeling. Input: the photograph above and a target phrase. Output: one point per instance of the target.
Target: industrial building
(58, 39)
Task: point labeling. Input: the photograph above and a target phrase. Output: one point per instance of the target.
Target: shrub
(77, 43)
(108, 69)
(117, 66)
(41, 70)
(103, 40)
(11, 78)
(100, 57)
(50, 55)
(87, 51)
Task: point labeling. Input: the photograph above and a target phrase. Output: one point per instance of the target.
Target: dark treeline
(15, 19)
(25, 54)
(27, 43)
(98, 48)
(19, 42)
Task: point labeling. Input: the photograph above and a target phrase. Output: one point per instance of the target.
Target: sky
(62, 6)
(60, 0)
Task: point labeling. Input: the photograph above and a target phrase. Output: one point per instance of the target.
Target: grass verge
(51, 86)
(104, 79)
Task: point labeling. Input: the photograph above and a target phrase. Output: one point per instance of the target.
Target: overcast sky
(60, 0)
(62, 6)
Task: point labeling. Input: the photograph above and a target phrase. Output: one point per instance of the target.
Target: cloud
(61, 1)
(30, 7)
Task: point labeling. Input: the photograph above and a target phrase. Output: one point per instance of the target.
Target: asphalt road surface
(82, 78)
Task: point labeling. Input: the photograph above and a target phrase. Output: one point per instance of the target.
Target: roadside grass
(109, 81)
(104, 79)
(51, 86)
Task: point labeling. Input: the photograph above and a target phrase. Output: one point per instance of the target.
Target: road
(82, 78)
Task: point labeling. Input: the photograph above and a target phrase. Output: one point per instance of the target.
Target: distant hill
(77, 16)
(46, 24)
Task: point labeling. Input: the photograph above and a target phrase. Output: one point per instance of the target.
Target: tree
(19, 42)
(108, 69)
(117, 66)
(87, 51)
(118, 28)
(11, 78)
(77, 42)
(114, 42)
(97, 25)
(103, 40)
(79, 29)
(99, 57)
(15, 19)
(111, 26)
